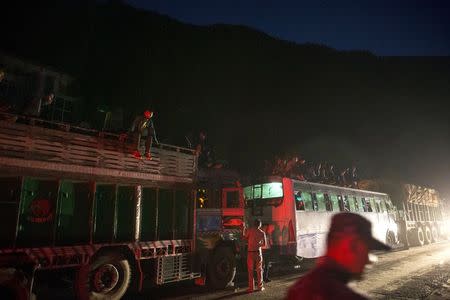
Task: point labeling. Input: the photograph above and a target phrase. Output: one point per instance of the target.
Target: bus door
(232, 207)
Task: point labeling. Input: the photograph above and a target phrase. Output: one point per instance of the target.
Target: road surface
(417, 273)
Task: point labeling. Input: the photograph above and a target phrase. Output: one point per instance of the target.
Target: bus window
(125, 215)
(363, 204)
(37, 212)
(307, 198)
(315, 205)
(351, 203)
(74, 207)
(248, 192)
(377, 206)
(320, 198)
(9, 204)
(328, 203)
(335, 201)
(299, 202)
(272, 190)
(369, 205)
(383, 205)
(343, 203)
(303, 201)
(372, 205)
(356, 205)
(148, 214)
(104, 210)
(257, 190)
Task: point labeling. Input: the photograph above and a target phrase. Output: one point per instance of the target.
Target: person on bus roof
(143, 126)
(349, 241)
(256, 240)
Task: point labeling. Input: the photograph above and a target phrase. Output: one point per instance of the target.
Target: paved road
(417, 273)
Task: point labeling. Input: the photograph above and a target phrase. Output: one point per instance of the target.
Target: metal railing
(29, 142)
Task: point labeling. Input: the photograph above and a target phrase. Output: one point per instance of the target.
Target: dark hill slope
(254, 93)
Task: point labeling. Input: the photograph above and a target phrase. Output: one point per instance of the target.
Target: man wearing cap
(349, 241)
(143, 125)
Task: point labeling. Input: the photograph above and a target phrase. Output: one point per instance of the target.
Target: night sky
(384, 27)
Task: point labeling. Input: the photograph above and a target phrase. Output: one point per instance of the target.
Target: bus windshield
(264, 194)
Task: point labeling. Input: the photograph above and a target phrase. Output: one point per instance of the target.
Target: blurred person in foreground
(349, 241)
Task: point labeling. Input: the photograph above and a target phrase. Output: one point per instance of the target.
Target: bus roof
(327, 186)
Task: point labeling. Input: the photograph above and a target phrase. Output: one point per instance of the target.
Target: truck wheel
(428, 237)
(107, 277)
(434, 234)
(419, 237)
(221, 268)
(390, 238)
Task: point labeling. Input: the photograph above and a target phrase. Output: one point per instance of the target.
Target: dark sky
(385, 27)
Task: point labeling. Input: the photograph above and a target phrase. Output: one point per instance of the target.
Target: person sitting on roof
(143, 126)
(205, 153)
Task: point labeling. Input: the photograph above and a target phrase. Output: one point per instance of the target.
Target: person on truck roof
(349, 241)
(143, 126)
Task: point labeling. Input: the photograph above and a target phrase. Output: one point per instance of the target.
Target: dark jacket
(326, 281)
(141, 123)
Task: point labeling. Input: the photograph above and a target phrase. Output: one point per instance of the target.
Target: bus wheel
(107, 277)
(221, 268)
(428, 238)
(434, 234)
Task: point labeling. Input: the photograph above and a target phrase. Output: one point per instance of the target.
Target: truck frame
(76, 198)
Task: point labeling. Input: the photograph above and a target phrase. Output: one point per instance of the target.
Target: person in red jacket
(348, 244)
(256, 239)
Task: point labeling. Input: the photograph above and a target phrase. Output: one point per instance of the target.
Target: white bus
(296, 214)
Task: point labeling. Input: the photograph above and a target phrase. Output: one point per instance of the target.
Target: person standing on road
(349, 241)
(256, 239)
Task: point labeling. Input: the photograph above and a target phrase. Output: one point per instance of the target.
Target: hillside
(256, 95)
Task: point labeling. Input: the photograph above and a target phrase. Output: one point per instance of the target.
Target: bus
(296, 214)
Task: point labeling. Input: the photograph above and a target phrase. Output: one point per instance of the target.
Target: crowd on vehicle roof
(296, 167)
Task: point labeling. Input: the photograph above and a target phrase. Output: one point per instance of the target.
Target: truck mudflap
(174, 268)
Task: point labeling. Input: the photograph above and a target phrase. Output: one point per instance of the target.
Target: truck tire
(434, 234)
(390, 238)
(428, 238)
(107, 277)
(221, 268)
(417, 237)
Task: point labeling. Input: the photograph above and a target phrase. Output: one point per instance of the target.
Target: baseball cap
(350, 223)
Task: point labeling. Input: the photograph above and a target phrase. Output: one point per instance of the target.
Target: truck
(420, 211)
(75, 201)
(220, 220)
